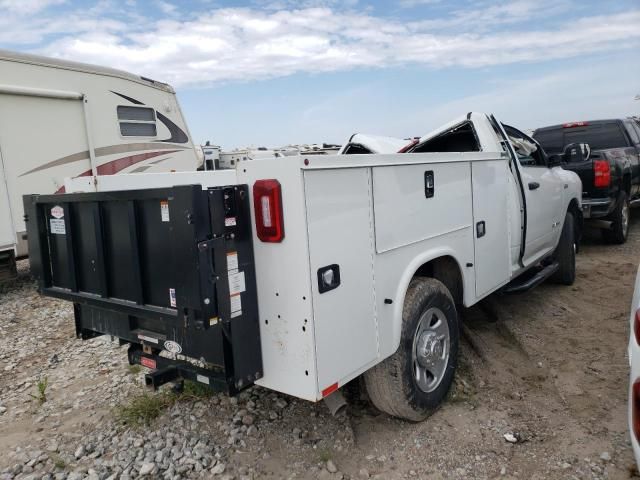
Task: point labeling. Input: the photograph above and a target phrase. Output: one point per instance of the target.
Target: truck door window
(632, 133)
(461, 138)
(137, 121)
(528, 151)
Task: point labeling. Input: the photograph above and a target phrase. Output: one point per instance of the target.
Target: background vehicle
(610, 174)
(62, 119)
(634, 363)
(356, 264)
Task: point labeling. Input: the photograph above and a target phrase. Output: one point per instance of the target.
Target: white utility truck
(301, 273)
(62, 119)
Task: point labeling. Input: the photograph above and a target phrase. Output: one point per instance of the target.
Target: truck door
(543, 193)
(490, 218)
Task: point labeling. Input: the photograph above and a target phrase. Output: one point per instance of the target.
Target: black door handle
(533, 185)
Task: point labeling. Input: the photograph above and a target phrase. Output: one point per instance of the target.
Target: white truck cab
(361, 262)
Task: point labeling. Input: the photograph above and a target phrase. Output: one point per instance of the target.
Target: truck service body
(308, 268)
(61, 119)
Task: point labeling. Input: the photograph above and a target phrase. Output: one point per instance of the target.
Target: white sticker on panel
(57, 226)
(230, 222)
(236, 283)
(164, 211)
(232, 261)
(172, 297)
(236, 303)
(202, 379)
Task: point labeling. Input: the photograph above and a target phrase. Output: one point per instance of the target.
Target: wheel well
(447, 270)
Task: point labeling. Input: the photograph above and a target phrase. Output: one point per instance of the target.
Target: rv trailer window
(137, 121)
(138, 129)
(140, 114)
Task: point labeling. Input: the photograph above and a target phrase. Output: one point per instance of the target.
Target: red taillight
(602, 173)
(636, 327)
(267, 203)
(575, 124)
(635, 409)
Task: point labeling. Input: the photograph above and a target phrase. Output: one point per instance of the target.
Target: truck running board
(527, 283)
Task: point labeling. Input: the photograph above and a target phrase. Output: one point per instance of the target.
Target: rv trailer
(61, 119)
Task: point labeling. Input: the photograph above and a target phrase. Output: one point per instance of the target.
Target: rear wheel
(414, 381)
(620, 221)
(565, 253)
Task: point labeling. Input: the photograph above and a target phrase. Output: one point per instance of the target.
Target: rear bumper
(597, 207)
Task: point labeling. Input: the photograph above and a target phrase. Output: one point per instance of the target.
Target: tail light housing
(635, 409)
(602, 173)
(267, 205)
(636, 327)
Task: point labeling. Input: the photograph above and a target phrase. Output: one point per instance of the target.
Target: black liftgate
(169, 271)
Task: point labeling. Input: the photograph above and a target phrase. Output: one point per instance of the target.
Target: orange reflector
(148, 362)
(330, 389)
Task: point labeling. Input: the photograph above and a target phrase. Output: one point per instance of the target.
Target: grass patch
(140, 411)
(134, 369)
(196, 390)
(58, 462)
(324, 455)
(41, 387)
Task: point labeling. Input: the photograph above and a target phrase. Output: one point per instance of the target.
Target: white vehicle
(301, 273)
(211, 156)
(62, 119)
(634, 363)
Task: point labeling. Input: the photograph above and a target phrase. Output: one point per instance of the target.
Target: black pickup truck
(609, 168)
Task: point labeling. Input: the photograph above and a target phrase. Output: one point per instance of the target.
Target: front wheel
(565, 253)
(619, 221)
(414, 381)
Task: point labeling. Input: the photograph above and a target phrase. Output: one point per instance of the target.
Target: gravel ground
(541, 393)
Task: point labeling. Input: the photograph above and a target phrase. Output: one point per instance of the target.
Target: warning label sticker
(236, 305)
(236, 283)
(57, 226)
(232, 261)
(230, 222)
(164, 211)
(172, 297)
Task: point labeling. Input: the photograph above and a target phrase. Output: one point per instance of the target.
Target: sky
(277, 72)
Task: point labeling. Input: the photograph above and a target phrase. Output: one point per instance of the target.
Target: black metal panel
(155, 266)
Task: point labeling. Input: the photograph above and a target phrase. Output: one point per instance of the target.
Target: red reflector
(635, 409)
(267, 204)
(575, 124)
(601, 173)
(148, 362)
(636, 327)
(330, 389)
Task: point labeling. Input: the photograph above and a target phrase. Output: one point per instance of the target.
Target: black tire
(565, 253)
(392, 384)
(620, 221)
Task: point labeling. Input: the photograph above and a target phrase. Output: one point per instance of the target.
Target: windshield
(600, 136)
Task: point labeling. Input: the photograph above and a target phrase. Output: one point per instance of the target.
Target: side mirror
(577, 152)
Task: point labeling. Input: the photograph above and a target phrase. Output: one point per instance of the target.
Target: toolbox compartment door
(169, 269)
(340, 223)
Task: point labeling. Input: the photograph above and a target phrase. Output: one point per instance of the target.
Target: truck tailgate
(168, 270)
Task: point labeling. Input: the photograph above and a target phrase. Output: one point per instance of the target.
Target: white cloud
(242, 44)
(166, 7)
(415, 3)
(24, 7)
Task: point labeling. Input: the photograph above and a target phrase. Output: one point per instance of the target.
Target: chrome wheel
(430, 353)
